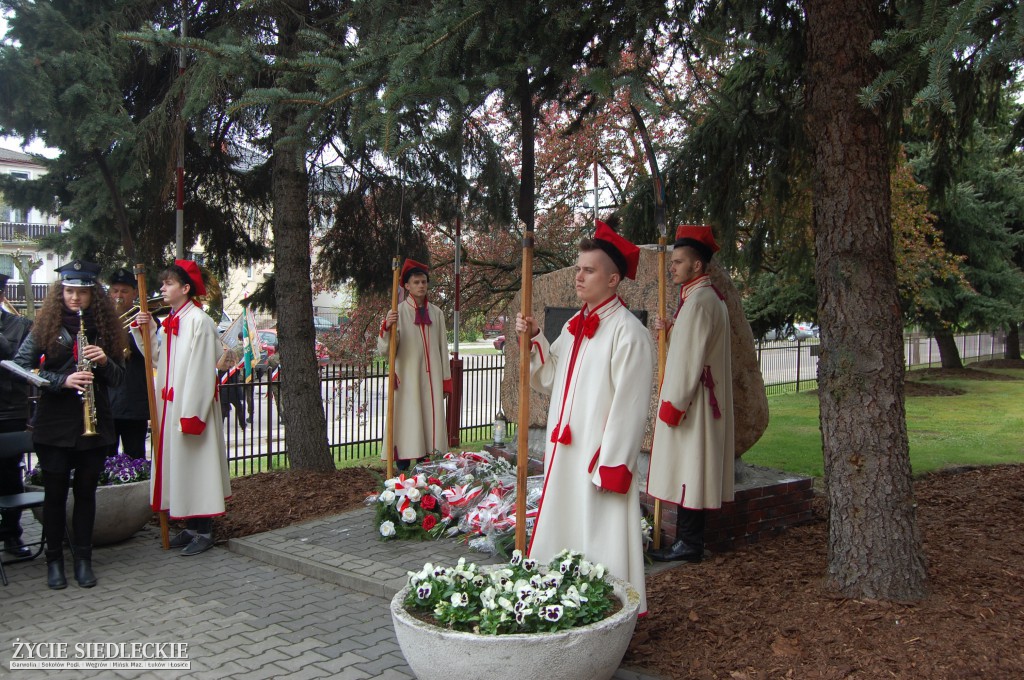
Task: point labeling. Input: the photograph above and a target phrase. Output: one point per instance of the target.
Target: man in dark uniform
(129, 401)
(13, 418)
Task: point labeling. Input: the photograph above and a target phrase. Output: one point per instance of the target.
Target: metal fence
(355, 406)
(788, 366)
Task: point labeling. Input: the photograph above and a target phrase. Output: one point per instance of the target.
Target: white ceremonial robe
(600, 389)
(423, 375)
(190, 467)
(692, 462)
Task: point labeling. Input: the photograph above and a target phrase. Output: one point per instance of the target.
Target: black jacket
(129, 401)
(59, 418)
(13, 392)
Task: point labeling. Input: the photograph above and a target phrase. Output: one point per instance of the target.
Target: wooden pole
(662, 222)
(389, 438)
(523, 451)
(662, 352)
(154, 423)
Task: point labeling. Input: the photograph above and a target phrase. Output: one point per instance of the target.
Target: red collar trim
(701, 281)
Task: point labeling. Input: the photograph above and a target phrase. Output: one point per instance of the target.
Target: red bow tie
(171, 325)
(588, 327)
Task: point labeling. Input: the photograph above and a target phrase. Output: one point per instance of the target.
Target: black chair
(16, 445)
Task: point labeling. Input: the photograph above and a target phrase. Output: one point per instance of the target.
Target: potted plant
(122, 499)
(568, 620)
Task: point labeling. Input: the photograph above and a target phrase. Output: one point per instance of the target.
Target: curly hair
(111, 335)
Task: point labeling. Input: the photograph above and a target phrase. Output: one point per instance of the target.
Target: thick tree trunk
(1012, 343)
(874, 548)
(302, 405)
(949, 353)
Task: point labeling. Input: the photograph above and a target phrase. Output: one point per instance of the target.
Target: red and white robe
(693, 455)
(599, 373)
(424, 374)
(190, 468)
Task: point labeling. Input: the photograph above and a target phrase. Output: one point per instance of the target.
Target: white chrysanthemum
(409, 515)
(387, 528)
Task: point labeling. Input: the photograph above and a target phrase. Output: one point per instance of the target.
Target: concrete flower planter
(121, 510)
(591, 652)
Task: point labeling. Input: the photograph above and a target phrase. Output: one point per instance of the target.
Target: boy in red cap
(693, 451)
(422, 369)
(190, 468)
(599, 375)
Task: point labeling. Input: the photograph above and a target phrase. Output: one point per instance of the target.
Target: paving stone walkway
(309, 601)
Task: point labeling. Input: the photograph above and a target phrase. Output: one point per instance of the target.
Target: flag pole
(389, 438)
(523, 428)
(154, 424)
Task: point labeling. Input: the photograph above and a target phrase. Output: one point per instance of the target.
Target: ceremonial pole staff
(154, 424)
(389, 440)
(523, 451)
(661, 221)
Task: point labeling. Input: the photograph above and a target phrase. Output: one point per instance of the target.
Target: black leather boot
(55, 571)
(83, 567)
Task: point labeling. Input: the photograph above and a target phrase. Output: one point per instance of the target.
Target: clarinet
(89, 393)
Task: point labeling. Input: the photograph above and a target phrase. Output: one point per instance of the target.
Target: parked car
(266, 343)
(803, 330)
(499, 343)
(324, 325)
(494, 326)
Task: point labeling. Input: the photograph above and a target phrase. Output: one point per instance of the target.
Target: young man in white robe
(422, 370)
(190, 470)
(599, 373)
(692, 457)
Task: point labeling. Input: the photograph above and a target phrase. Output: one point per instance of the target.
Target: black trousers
(690, 527)
(132, 436)
(57, 464)
(11, 483)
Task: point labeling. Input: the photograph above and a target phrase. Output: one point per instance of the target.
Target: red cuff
(447, 387)
(192, 425)
(383, 328)
(616, 478)
(669, 414)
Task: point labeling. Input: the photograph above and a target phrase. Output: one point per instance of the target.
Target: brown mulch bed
(912, 388)
(273, 500)
(1000, 363)
(761, 612)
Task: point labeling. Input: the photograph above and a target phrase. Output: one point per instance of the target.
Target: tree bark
(949, 353)
(302, 405)
(874, 547)
(1012, 342)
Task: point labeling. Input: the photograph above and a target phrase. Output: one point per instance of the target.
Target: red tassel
(554, 435)
(566, 436)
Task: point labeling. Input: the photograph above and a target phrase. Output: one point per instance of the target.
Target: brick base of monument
(758, 512)
(767, 502)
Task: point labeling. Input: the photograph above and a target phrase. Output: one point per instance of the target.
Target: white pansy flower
(586, 568)
(517, 558)
(423, 591)
(409, 515)
(552, 612)
(460, 599)
(504, 603)
(599, 571)
(387, 528)
(529, 565)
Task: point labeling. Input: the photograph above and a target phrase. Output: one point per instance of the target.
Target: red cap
(628, 254)
(701, 233)
(195, 276)
(409, 265)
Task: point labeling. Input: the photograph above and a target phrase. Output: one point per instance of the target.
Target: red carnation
(429, 521)
(428, 502)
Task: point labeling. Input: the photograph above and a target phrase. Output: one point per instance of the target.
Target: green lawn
(985, 426)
